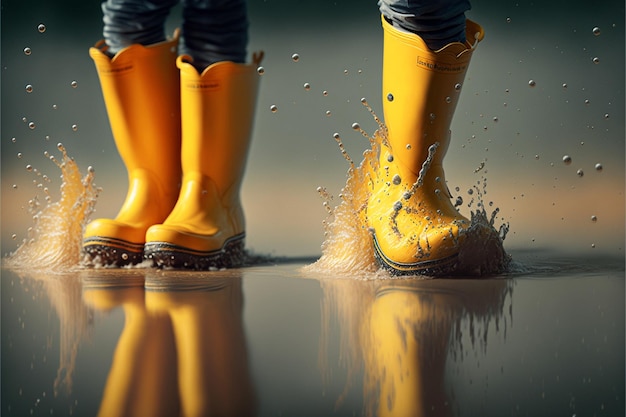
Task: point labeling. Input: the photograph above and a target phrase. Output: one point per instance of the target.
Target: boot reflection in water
(427, 48)
(182, 351)
(213, 373)
(184, 175)
(142, 379)
(403, 336)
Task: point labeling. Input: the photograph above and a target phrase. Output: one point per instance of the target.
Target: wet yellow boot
(140, 85)
(206, 228)
(415, 227)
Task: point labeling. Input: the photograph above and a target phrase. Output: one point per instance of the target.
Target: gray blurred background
(521, 133)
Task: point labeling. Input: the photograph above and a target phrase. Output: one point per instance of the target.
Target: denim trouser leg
(437, 22)
(213, 30)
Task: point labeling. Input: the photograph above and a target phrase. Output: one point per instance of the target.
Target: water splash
(55, 240)
(347, 249)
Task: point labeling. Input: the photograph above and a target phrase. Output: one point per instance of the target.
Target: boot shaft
(421, 89)
(217, 115)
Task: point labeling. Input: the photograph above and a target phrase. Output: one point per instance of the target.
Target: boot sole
(168, 255)
(437, 267)
(106, 251)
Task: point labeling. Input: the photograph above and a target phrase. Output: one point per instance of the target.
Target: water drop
(55, 107)
(260, 70)
(324, 93)
(31, 125)
(273, 108)
(587, 102)
(606, 115)
(596, 31)
(432, 116)
(29, 167)
(408, 146)
(532, 83)
(91, 169)
(390, 158)
(457, 87)
(470, 191)
(389, 97)
(564, 85)
(295, 57)
(14, 140)
(458, 202)
(356, 126)
(307, 86)
(396, 179)
(598, 167)
(74, 84)
(594, 219)
(13, 236)
(596, 60)
(15, 186)
(29, 88)
(74, 128)
(580, 173)
(508, 20)
(327, 112)
(27, 51)
(41, 28)
(567, 159)
(125, 256)
(397, 206)
(448, 99)
(19, 155)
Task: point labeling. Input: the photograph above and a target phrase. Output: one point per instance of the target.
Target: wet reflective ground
(545, 340)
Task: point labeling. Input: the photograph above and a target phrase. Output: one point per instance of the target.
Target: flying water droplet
(295, 57)
(567, 159)
(596, 31)
(31, 125)
(599, 167)
(27, 51)
(29, 88)
(74, 128)
(260, 70)
(74, 84)
(580, 173)
(273, 108)
(396, 179)
(596, 60)
(594, 219)
(41, 28)
(532, 83)
(307, 86)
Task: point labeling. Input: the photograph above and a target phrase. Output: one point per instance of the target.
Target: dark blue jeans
(437, 22)
(217, 30)
(212, 30)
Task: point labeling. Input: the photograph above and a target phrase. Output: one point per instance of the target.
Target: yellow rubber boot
(206, 229)
(415, 227)
(141, 90)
